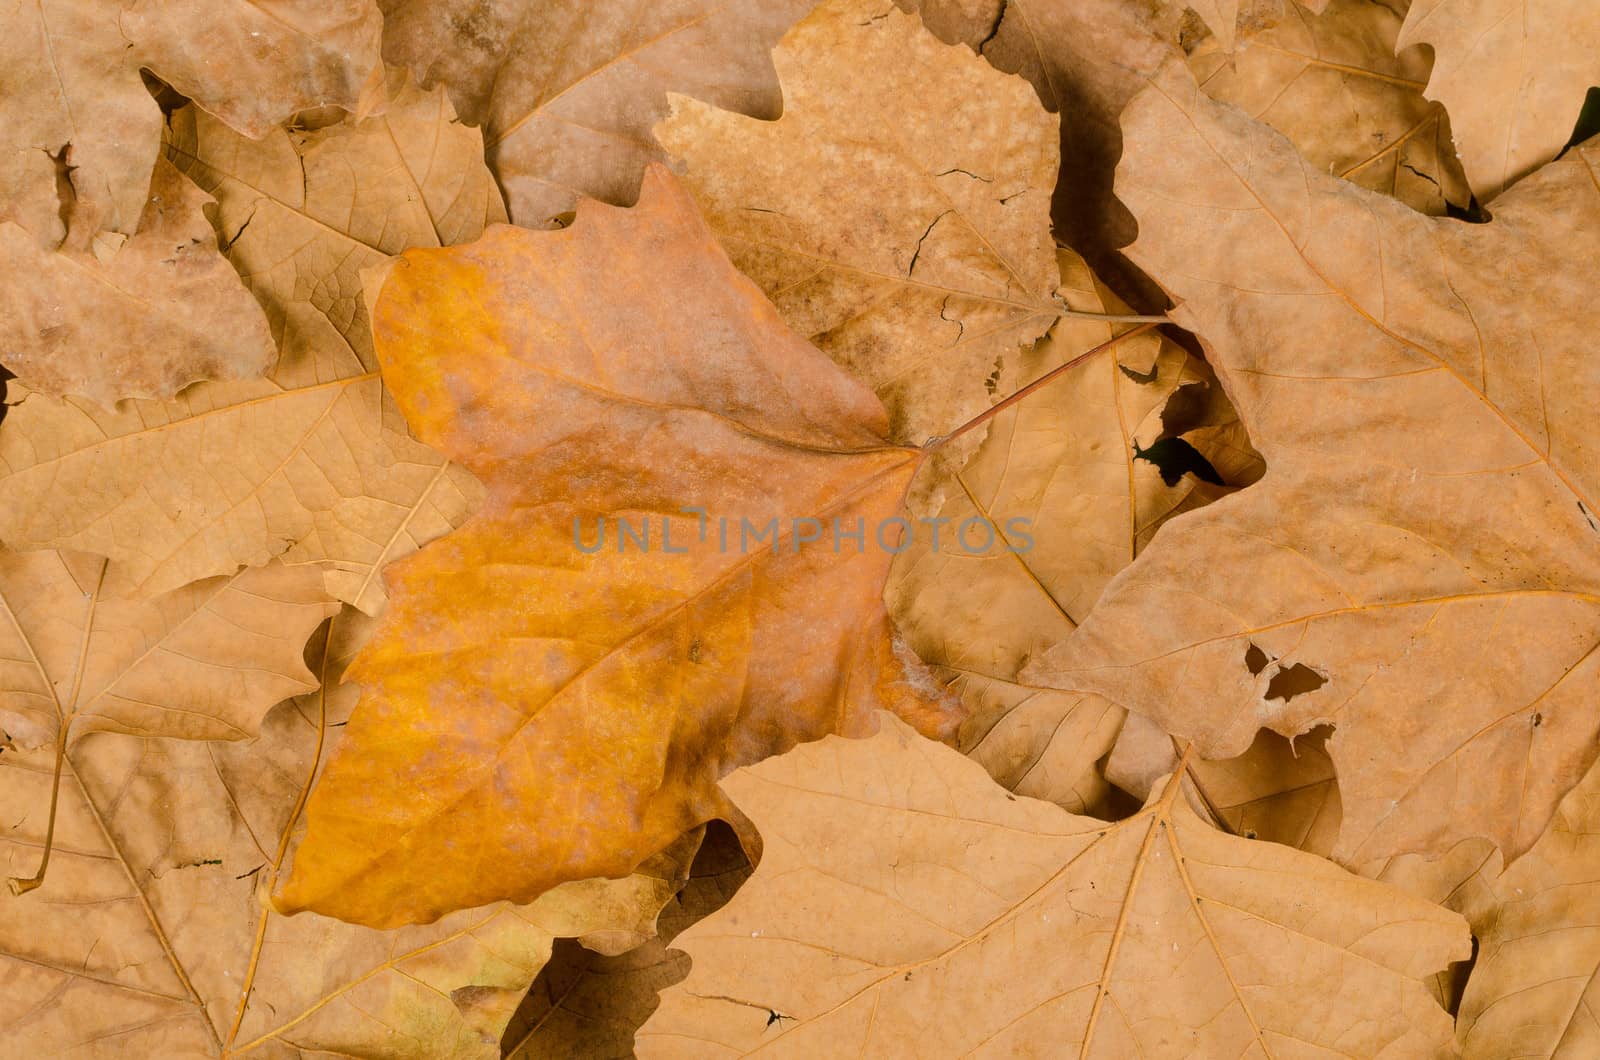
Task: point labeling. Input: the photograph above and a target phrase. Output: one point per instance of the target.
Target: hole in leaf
(1296, 680)
(1142, 378)
(1174, 458)
(167, 98)
(1186, 409)
(1588, 120)
(1472, 213)
(1255, 660)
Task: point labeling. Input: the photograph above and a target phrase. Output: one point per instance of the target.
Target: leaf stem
(66, 717)
(1114, 318)
(994, 410)
(17, 884)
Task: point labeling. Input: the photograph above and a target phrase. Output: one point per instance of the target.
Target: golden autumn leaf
(148, 938)
(1426, 531)
(313, 463)
(904, 903)
(552, 709)
(73, 66)
(1513, 74)
(1333, 84)
(897, 213)
(144, 317)
(566, 91)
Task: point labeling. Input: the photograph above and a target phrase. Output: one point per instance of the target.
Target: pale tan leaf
(313, 463)
(1426, 532)
(906, 905)
(1060, 479)
(566, 90)
(203, 662)
(1513, 74)
(145, 319)
(1040, 742)
(588, 1004)
(1061, 482)
(897, 214)
(1334, 85)
(303, 212)
(1533, 991)
(74, 66)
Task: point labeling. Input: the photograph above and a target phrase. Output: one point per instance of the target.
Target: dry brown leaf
(897, 214)
(1065, 461)
(1460, 879)
(148, 939)
(1278, 791)
(1333, 84)
(1063, 468)
(1426, 533)
(904, 903)
(304, 211)
(1284, 791)
(203, 662)
(1085, 59)
(566, 90)
(566, 708)
(1039, 742)
(141, 318)
(586, 1004)
(73, 65)
(1533, 989)
(1513, 74)
(313, 463)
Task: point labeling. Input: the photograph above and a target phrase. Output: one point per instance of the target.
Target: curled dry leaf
(566, 91)
(75, 66)
(313, 463)
(149, 940)
(1334, 85)
(140, 318)
(1513, 74)
(906, 903)
(537, 708)
(1426, 532)
(1533, 990)
(897, 214)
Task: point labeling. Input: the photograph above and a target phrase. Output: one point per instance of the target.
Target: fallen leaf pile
(820, 528)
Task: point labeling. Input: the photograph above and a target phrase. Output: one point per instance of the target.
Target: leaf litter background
(321, 323)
